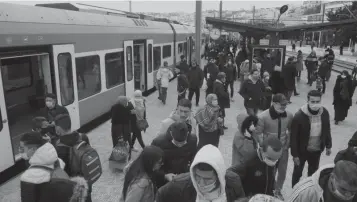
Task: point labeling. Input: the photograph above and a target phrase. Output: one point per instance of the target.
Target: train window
(114, 69)
(157, 57)
(129, 63)
(88, 76)
(185, 47)
(180, 48)
(66, 78)
(16, 73)
(166, 52)
(150, 58)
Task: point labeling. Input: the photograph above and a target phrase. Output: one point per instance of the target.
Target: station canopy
(251, 29)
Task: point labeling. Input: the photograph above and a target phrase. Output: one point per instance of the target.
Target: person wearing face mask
(310, 135)
(230, 71)
(258, 174)
(349, 154)
(209, 122)
(330, 183)
(276, 121)
(207, 181)
(342, 96)
(179, 148)
(52, 109)
(244, 146)
(40, 153)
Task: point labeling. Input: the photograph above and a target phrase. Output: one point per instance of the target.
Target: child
(318, 83)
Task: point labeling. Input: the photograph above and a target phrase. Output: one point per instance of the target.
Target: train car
(86, 59)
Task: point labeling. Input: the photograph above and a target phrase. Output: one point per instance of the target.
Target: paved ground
(109, 186)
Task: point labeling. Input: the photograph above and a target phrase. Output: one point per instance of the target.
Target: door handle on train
(4, 121)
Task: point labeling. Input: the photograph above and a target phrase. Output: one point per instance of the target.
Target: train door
(66, 81)
(7, 156)
(188, 51)
(139, 67)
(149, 60)
(129, 63)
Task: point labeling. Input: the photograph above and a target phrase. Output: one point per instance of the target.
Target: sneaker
(278, 195)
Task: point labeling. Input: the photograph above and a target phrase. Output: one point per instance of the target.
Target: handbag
(120, 152)
(142, 124)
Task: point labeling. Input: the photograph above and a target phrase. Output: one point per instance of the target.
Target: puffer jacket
(164, 75)
(140, 190)
(173, 117)
(75, 189)
(184, 187)
(34, 180)
(176, 159)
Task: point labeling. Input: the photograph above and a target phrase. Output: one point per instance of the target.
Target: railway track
(338, 65)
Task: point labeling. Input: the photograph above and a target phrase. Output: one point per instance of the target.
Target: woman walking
(139, 181)
(138, 104)
(342, 96)
(209, 122)
(299, 65)
(120, 114)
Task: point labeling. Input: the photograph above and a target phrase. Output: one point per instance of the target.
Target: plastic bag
(120, 152)
(264, 198)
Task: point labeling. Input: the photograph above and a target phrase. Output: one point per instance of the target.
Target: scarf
(207, 116)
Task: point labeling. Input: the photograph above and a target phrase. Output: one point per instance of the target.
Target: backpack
(56, 173)
(85, 161)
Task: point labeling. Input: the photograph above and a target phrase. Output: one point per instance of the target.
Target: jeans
(309, 75)
(313, 159)
(252, 111)
(282, 166)
(231, 85)
(194, 91)
(163, 91)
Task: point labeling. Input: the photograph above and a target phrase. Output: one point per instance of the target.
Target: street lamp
(283, 9)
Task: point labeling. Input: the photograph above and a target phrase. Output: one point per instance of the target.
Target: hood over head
(46, 155)
(210, 155)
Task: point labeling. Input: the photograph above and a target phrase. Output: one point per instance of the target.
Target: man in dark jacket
(230, 70)
(179, 147)
(241, 56)
(182, 86)
(195, 81)
(311, 66)
(310, 135)
(183, 66)
(207, 180)
(258, 174)
(268, 64)
(349, 154)
(210, 72)
(52, 108)
(222, 94)
(289, 73)
(323, 72)
(252, 91)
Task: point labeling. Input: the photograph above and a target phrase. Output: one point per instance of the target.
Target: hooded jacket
(252, 93)
(300, 131)
(256, 176)
(311, 189)
(164, 75)
(34, 180)
(347, 154)
(184, 187)
(176, 159)
(173, 117)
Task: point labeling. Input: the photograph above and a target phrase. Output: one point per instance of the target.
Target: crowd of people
(183, 162)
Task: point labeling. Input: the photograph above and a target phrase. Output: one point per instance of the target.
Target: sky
(175, 6)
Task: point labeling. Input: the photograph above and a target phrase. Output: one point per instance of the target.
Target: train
(86, 59)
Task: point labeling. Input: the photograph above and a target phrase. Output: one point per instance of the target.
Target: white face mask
(24, 156)
(269, 162)
(343, 76)
(207, 188)
(315, 107)
(49, 104)
(215, 103)
(252, 128)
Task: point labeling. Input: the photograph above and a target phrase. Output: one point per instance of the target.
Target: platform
(109, 186)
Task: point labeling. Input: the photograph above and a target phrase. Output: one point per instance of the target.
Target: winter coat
(140, 190)
(348, 154)
(311, 63)
(289, 73)
(164, 75)
(252, 93)
(243, 148)
(256, 176)
(324, 69)
(184, 187)
(268, 126)
(222, 94)
(75, 188)
(277, 82)
(212, 70)
(312, 188)
(300, 63)
(231, 72)
(34, 180)
(176, 159)
(195, 77)
(173, 117)
(268, 65)
(120, 114)
(51, 114)
(182, 83)
(300, 131)
(343, 96)
(183, 67)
